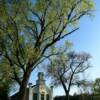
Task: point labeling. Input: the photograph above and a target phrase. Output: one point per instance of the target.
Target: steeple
(40, 80)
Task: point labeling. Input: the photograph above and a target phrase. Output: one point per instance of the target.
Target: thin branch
(16, 77)
(69, 33)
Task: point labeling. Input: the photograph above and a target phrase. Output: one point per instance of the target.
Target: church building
(39, 91)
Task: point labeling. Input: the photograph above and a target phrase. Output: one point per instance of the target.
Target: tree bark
(23, 87)
(65, 89)
(67, 96)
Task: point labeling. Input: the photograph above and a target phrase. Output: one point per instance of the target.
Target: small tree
(65, 69)
(96, 86)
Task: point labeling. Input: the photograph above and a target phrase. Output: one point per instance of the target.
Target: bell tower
(40, 80)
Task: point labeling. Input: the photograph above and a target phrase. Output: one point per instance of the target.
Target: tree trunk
(67, 96)
(65, 89)
(23, 87)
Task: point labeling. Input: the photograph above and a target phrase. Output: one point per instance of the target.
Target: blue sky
(87, 39)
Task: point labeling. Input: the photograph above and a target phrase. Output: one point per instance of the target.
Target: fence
(79, 97)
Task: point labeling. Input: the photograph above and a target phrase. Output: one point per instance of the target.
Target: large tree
(65, 70)
(29, 28)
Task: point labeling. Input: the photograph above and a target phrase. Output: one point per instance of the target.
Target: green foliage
(22, 23)
(28, 30)
(65, 69)
(6, 82)
(96, 86)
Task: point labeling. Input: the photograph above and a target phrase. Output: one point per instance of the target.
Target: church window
(35, 96)
(47, 97)
(42, 96)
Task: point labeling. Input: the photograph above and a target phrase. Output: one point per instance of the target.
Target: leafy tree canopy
(28, 30)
